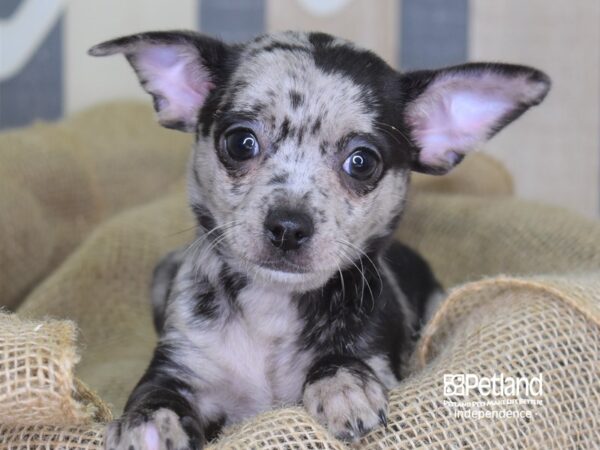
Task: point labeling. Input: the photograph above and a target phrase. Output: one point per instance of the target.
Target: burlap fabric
(541, 316)
(59, 180)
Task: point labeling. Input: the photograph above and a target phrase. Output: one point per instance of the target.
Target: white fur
(407, 310)
(247, 362)
(153, 434)
(383, 369)
(339, 402)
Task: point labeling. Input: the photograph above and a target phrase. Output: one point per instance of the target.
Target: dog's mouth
(280, 271)
(281, 265)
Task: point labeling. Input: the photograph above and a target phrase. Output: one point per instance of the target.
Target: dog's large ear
(450, 112)
(177, 68)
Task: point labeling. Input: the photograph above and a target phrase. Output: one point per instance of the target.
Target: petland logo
(498, 385)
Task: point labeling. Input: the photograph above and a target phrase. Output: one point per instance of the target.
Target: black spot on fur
(323, 192)
(318, 39)
(258, 108)
(284, 131)
(316, 126)
(280, 178)
(232, 283)
(321, 214)
(300, 136)
(237, 87)
(205, 304)
(349, 206)
(413, 275)
(351, 310)
(279, 46)
(163, 277)
(323, 148)
(203, 216)
(360, 317)
(296, 99)
(213, 428)
(236, 187)
(160, 388)
(329, 365)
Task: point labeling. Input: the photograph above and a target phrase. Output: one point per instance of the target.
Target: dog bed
(90, 205)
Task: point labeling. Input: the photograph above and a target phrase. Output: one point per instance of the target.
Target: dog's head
(305, 143)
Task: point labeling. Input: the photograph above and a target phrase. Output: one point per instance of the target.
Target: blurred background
(553, 152)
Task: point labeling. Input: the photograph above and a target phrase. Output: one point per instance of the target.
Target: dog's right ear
(177, 68)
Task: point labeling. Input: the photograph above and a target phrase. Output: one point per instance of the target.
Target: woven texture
(36, 375)
(49, 437)
(526, 302)
(59, 180)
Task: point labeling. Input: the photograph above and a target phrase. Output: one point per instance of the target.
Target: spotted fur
(250, 318)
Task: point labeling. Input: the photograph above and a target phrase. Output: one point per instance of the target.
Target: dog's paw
(348, 404)
(161, 430)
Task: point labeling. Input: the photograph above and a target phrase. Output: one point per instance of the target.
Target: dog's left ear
(450, 112)
(177, 68)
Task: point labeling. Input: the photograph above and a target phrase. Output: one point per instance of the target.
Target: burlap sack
(545, 325)
(58, 180)
(37, 360)
(542, 319)
(51, 437)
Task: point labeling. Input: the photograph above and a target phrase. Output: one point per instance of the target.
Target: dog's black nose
(288, 229)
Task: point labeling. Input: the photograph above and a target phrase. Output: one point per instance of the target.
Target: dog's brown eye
(241, 144)
(361, 164)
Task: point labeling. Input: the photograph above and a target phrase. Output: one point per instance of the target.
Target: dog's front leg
(344, 394)
(159, 414)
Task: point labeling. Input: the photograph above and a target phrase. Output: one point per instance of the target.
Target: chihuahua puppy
(294, 290)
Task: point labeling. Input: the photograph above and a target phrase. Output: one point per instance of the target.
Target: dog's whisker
(200, 251)
(396, 130)
(339, 269)
(361, 252)
(205, 235)
(214, 244)
(192, 228)
(363, 279)
(373, 297)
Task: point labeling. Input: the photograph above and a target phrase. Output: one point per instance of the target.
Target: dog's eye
(241, 144)
(361, 164)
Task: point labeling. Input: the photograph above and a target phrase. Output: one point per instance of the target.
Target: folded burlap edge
(78, 405)
(555, 286)
(552, 285)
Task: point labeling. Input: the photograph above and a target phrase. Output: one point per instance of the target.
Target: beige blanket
(90, 205)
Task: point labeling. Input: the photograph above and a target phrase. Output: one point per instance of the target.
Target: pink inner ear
(455, 122)
(176, 76)
(476, 114)
(457, 112)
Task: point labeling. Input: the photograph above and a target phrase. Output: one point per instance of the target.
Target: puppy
(293, 290)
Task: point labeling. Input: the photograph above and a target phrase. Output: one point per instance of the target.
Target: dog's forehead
(281, 76)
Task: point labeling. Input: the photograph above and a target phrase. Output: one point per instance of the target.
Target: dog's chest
(258, 355)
